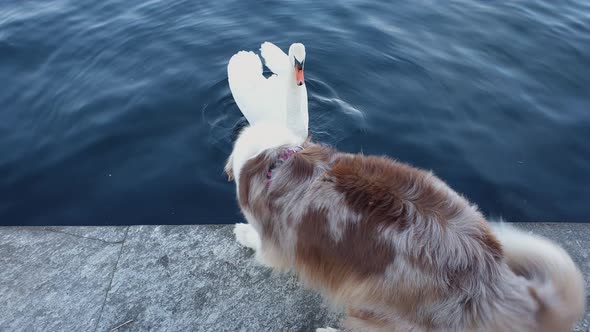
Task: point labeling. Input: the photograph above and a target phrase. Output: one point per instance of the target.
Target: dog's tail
(556, 283)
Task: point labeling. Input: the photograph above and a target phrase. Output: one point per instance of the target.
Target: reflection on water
(118, 112)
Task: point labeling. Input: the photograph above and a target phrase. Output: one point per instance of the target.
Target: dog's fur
(394, 245)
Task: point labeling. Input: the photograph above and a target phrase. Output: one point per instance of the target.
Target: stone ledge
(169, 278)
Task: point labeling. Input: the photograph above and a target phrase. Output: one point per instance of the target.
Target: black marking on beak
(298, 64)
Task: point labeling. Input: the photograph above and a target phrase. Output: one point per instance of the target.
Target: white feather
(274, 58)
(276, 99)
(257, 97)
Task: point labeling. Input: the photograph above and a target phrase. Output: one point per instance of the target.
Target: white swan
(280, 98)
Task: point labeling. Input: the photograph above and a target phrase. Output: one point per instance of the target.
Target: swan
(280, 98)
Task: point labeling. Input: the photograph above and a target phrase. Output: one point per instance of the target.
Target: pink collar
(284, 156)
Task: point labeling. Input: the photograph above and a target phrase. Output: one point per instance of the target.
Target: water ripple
(119, 111)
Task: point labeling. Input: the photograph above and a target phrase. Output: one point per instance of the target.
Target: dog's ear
(229, 168)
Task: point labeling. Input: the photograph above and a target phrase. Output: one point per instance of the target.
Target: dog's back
(420, 257)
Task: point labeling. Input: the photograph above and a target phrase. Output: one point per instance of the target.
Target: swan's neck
(297, 108)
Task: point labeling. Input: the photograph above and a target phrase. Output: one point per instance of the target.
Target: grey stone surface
(108, 234)
(197, 278)
(52, 281)
(169, 278)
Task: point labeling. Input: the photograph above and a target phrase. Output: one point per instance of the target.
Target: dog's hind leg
(367, 321)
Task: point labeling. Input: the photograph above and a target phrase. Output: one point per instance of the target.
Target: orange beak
(299, 76)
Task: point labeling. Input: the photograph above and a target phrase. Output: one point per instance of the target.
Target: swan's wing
(274, 58)
(258, 98)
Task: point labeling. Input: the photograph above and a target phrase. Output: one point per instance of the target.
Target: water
(118, 112)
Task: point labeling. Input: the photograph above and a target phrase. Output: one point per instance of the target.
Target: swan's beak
(299, 75)
(299, 72)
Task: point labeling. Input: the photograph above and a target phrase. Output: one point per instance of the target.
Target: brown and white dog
(394, 245)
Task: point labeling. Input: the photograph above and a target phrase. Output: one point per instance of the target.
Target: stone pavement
(168, 278)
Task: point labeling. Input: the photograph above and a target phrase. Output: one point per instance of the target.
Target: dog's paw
(325, 329)
(247, 236)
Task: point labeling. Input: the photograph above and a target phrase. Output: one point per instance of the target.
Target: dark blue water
(118, 112)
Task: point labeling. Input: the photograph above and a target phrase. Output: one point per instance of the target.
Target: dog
(393, 245)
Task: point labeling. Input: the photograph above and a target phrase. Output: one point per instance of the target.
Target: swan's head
(297, 57)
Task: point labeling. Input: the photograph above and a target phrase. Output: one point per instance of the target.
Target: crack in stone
(111, 279)
(85, 237)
